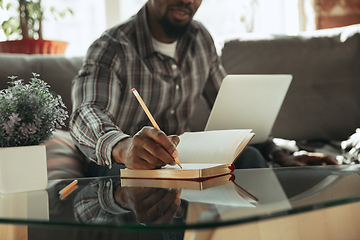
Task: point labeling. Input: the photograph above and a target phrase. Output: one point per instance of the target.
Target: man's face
(174, 15)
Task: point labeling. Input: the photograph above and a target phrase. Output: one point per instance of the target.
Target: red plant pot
(33, 46)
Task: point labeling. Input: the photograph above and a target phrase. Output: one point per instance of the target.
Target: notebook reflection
(155, 202)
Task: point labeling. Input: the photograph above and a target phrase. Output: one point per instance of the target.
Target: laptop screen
(249, 102)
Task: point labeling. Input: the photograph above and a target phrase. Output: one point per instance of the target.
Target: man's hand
(150, 205)
(148, 149)
(309, 159)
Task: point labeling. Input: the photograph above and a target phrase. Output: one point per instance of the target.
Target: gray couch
(323, 101)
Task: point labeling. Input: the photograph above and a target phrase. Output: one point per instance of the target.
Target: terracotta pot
(33, 46)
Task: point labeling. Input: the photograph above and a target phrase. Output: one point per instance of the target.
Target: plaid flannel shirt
(105, 110)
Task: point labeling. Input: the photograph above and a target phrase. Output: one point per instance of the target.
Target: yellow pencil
(152, 120)
(68, 189)
(66, 193)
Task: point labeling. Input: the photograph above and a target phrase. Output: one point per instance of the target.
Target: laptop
(249, 102)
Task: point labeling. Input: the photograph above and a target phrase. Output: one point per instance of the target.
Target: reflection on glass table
(246, 196)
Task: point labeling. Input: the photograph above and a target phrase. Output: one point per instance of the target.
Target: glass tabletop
(242, 197)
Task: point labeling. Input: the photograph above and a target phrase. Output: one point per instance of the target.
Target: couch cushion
(323, 101)
(56, 70)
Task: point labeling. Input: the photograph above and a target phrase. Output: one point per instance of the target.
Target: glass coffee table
(254, 203)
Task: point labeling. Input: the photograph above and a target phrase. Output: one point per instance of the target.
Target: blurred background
(223, 18)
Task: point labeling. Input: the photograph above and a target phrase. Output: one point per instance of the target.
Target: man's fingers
(160, 137)
(163, 206)
(158, 152)
(317, 159)
(330, 161)
(174, 139)
(150, 148)
(145, 155)
(298, 163)
(333, 162)
(324, 158)
(157, 144)
(140, 164)
(169, 214)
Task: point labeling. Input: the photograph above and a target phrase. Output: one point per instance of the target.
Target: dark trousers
(250, 158)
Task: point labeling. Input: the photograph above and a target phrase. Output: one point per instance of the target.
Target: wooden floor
(13, 232)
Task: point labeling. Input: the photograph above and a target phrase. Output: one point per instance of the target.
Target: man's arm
(96, 202)
(96, 96)
(94, 92)
(216, 75)
(274, 153)
(309, 159)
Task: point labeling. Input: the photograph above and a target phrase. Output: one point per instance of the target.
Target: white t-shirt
(168, 49)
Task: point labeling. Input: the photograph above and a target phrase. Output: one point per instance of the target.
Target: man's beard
(171, 30)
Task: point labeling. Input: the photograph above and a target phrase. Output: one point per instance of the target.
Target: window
(221, 17)
(79, 30)
(228, 17)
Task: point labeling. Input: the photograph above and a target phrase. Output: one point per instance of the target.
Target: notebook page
(210, 146)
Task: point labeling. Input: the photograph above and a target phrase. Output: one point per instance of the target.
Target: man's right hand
(151, 205)
(148, 149)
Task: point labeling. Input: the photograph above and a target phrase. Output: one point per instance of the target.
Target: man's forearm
(95, 139)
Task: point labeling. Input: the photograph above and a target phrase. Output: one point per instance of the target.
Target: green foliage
(10, 26)
(29, 113)
(28, 21)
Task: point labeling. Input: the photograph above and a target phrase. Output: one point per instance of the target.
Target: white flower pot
(23, 169)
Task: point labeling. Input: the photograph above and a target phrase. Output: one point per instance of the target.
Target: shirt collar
(144, 37)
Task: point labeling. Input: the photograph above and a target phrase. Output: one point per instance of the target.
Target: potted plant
(29, 114)
(27, 24)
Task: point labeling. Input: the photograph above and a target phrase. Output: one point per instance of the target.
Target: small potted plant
(29, 114)
(27, 25)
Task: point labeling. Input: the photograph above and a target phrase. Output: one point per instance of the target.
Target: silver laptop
(249, 102)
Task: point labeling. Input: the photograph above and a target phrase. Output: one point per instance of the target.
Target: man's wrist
(118, 153)
(105, 146)
(121, 198)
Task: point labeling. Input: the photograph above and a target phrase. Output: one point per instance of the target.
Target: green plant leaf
(29, 113)
(10, 27)
(31, 15)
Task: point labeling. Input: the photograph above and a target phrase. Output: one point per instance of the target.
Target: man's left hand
(309, 159)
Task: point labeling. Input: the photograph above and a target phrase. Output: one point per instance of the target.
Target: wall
(336, 13)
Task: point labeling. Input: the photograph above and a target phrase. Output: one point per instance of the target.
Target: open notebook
(249, 102)
(202, 155)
